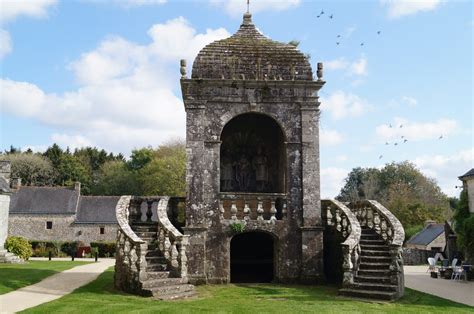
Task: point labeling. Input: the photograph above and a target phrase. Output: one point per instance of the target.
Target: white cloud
(340, 105)
(126, 97)
(416, 131)
(447, 168)
(5, 43)
(138, 3)
(330, 137)
(332, 180)
(11, 9)
(399, 8)
(355, 68)
(71, 141)
(342, 158)
(410, 101)
(32, 8)
(236, 8)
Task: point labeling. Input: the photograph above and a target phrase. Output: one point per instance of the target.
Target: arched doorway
(252, 257)
(252, 156)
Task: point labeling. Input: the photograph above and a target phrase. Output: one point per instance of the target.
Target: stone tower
(253, 208)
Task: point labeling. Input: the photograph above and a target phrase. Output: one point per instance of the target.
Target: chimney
(5, 169)
(15, 183)
(77, 186)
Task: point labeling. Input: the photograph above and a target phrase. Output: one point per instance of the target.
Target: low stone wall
(416, 256)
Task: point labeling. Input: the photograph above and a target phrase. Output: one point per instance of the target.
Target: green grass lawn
(15, 276)
(100, 297)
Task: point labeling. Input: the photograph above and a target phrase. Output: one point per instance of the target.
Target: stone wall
(88, 233)
(4, 205)
(33, 227)
(416, 256)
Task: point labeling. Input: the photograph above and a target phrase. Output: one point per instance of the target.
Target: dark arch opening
(252, 156)
(251, 257)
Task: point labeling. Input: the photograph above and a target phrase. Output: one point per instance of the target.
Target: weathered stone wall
(210, 105)
(33, 227)
(416, 256)
(4, 207)
(88, 233)
(470, 193)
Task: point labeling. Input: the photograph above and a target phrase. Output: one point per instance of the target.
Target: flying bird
(338, 36)
(387, 143)
(401, 126)
(337, 43)
(318, 16)
(322, 12)
(402, 136)
(330, 16)
(378, 32)
(440, 137)
(380, 157)
(361, 44)
(395, 144)
(390, 125)
(405, 140)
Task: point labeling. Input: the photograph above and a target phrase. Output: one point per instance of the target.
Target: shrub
(70, 248)
(237, 227)
(57, 248)
(106, 249)
(19, 246)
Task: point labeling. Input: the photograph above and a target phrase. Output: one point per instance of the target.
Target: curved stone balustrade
(373, 215)
(268, 207)
(130, 266)
(337, 215)
(171, 242)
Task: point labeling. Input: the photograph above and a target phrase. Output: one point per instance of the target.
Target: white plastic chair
(432, 264)
(456, 269)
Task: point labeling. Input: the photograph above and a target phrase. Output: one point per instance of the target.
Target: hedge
(106, 249)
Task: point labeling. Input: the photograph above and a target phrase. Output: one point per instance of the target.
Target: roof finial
(248, 6)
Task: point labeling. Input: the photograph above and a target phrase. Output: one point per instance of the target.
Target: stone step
(153, 253)
(372, 279)
(158, 274)
(173, 291)
(162, 282)
(373, 272)
(372, 241)
(374, 247)
(374, 253)
(375, 259)
(374, 286)
(156, 267)
(146, 234)
(151, 260)
(373, 266)
(368, 294)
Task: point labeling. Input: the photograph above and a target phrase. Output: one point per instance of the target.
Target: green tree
(140, 158)
(54, 153)
(115, 178)
(33, 169)
(71, 170)
(402, 188)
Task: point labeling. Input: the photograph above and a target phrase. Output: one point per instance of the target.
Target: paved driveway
(460, 291)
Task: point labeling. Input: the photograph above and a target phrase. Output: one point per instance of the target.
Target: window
(102, 230)
(49, 225)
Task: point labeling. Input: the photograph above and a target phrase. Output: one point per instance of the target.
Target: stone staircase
(160, 282)
(10, 258)
(151, 254)
(372, 280)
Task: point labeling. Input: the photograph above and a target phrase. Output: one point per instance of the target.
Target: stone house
(431, 238)
(61, 214)
(468, 185)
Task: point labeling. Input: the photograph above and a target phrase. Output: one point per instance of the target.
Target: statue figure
(260, 165)
(242, 173)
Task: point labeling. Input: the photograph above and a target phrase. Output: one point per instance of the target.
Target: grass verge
(100, 297)
(15, 276)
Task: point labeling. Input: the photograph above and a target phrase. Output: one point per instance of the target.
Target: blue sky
(106, 74)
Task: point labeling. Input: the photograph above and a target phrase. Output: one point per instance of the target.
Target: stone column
(312, 230)
(4, 201)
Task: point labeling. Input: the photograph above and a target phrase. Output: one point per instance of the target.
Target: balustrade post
(283, 210)
(167, 245)
(233, 211)
(260, 210)
(246, 211)
(174, 254)
(149, 213)
(221, 209)
(347, 266)
(329, 216)
(183, 259)
(273, 212)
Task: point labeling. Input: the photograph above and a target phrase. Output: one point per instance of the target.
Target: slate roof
(44, 200)
(97, 209)
(427, 235)
(249, 55)
(470, 173)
